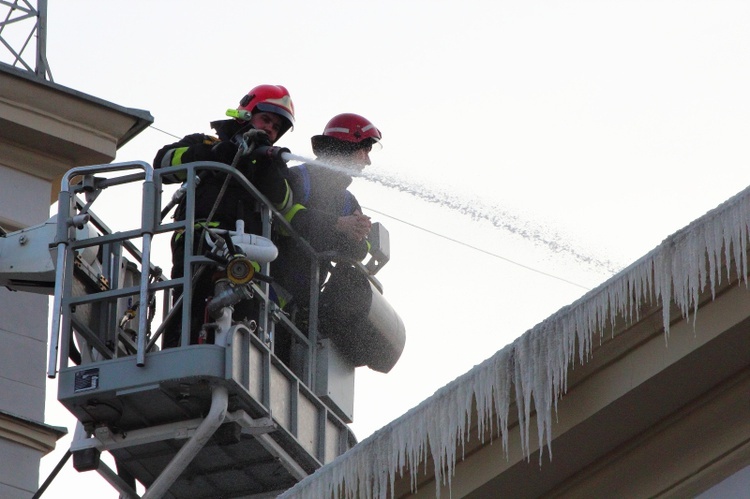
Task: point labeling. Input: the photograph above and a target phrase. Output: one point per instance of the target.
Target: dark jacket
(266, 174)
(320, 197)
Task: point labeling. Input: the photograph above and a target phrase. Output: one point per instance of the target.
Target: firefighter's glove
(224, 152)
(256, 138)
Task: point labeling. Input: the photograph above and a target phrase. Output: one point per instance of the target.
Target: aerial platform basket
(263, 429)
(208, 420)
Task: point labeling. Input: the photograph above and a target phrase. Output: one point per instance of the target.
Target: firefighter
(325, 212)
(219, 204)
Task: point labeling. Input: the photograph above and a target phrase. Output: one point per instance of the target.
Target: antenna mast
(20, 23)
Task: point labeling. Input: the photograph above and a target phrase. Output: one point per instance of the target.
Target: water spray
(477, 210)
(498, 217)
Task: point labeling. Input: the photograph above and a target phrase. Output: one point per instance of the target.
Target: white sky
(606, 124)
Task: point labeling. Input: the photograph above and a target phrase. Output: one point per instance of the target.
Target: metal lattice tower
(20, 23)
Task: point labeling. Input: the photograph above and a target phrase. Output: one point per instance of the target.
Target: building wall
(24, 201)
(15, 483)
(45, 129)
(23, 198)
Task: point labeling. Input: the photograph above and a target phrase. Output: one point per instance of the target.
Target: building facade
(45, 129)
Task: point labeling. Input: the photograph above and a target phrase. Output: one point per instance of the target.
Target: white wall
(24, 201)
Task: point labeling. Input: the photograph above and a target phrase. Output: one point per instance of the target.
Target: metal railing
(270, 313)
(113, 248)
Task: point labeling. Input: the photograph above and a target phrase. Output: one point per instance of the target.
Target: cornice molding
(31, 434)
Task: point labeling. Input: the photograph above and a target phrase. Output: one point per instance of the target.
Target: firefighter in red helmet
(267, 112)
(347, 139)
(324, 211)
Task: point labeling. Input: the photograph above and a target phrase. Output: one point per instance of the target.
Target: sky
(541, 146)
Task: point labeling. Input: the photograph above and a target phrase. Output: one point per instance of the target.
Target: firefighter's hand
(256, 138)
(356, 227)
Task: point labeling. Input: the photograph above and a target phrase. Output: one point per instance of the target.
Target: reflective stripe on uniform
(280, 295)
(173, 157)
(288, 201)
(198, 225)
(289, 215)
(177, 156)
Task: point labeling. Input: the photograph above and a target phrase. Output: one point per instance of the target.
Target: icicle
(534, 367)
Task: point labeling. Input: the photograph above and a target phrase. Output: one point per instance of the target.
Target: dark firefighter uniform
(320, 197)
(267, 174)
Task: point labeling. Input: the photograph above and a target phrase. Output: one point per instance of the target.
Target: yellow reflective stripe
(198, 225)
(283, 296)
(177, 155)
(286, 204)
(289, 215)
(369, 246)
(174, 158)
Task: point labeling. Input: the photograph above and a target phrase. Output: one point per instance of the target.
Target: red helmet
(270, 99)
(346, 127)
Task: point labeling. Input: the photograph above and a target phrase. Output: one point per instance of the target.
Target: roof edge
(142, 118)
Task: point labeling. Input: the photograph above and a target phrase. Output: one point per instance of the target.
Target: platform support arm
(125, 490)
(214, 419)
